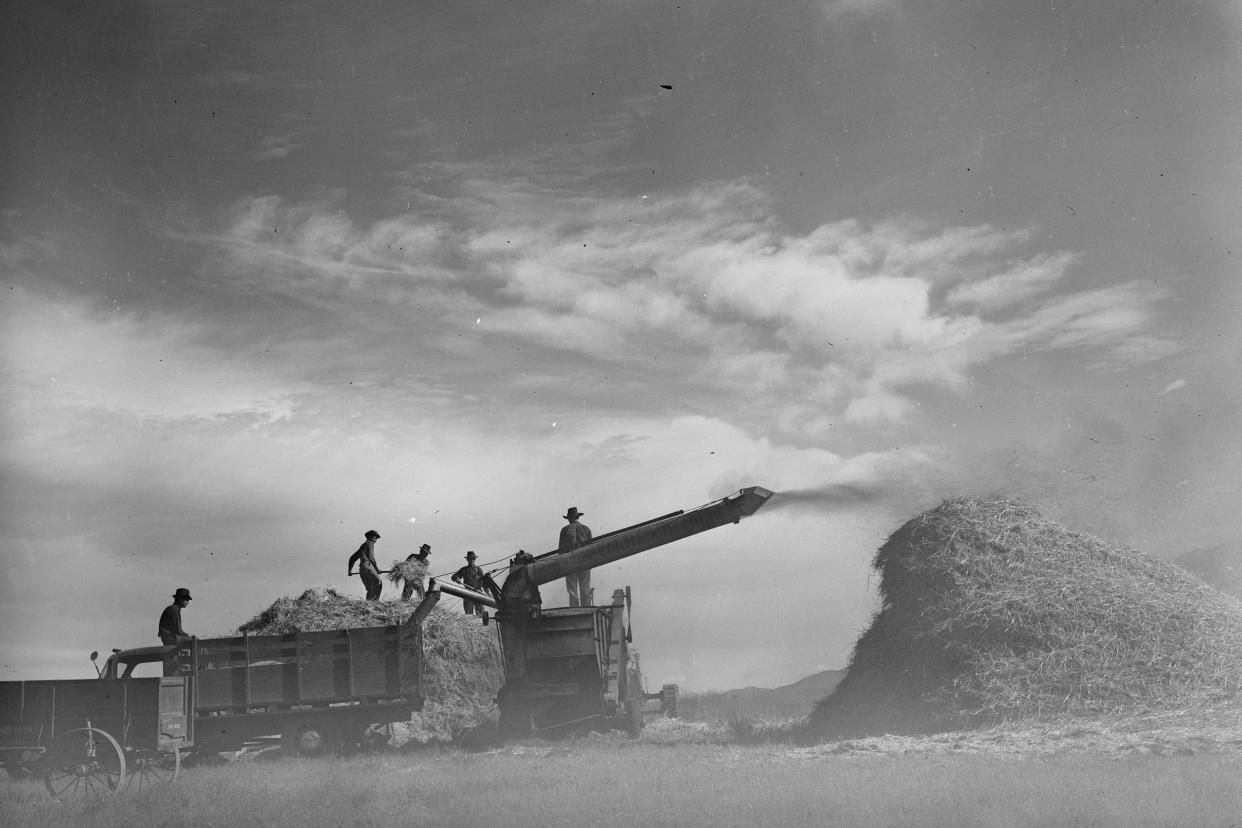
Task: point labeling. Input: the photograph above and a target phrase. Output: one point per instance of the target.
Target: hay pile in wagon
(461, 660)
(992, 613)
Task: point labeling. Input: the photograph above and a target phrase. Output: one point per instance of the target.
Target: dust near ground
(1043, 740)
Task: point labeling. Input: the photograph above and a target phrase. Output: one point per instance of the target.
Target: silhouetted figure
(473, 577)
(575, 534)
(368, 569)
(170, 630)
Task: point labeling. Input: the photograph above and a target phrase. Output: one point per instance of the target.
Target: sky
(275, 274)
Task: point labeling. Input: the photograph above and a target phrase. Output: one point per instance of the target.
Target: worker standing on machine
(574, 534)
(472, 576)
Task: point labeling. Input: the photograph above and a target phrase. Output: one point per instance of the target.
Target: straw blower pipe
(647, 535)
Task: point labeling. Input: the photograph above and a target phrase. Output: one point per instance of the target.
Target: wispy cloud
(273, 147)
(839, 8)
(847, 314)
(1013, 286)
(1175, 385)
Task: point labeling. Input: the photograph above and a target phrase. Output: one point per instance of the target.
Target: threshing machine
(572, 667)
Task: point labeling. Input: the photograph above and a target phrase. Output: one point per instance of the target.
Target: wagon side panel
(375, 660)
(25, 714)
(323, 664)
(100, 702)
(219, 670)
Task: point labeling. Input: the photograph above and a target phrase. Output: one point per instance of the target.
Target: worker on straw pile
(575, 534)
(412, 571)
(170, 631)
(472, 576)
(368, 569)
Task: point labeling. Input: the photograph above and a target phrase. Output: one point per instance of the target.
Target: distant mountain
(789, 701)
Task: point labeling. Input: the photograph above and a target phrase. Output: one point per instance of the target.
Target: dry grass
(316, 610)
(618, 782)
(993, 613)
(461, 659)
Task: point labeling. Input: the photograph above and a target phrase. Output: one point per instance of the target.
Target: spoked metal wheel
(83, 762)
(151, 769)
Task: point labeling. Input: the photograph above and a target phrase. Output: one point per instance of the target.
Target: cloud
(1175, 385)
(1013, 286)
(273, 147)
(843, 8)
(705, 284)
(74, 355)
(1115, 322)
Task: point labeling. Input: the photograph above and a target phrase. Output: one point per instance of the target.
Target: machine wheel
(152, 768)
(83, 762)
(307, 739)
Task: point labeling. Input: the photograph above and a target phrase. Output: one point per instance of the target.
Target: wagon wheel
(83, 761)
(150, 769)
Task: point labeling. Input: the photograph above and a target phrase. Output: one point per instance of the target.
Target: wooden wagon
(95, 735)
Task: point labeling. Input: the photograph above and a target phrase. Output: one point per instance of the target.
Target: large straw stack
(992, 613)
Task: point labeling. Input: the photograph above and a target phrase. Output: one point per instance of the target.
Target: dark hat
(371, 533)
(426, 546)
(573, 513)
(182, 592)
(470, 556)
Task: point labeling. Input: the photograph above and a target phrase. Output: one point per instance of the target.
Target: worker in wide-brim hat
(170, 630)
(411, 572)
(471, 575)
(368, 569)
(574, 534)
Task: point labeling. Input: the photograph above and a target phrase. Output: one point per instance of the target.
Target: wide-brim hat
(182, 592)
(470, 556)
(371, 533)
(426, 546)
(573, 513)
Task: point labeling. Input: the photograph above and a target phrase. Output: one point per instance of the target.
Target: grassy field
(612, 781)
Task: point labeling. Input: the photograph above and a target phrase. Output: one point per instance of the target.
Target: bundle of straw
(409, 569)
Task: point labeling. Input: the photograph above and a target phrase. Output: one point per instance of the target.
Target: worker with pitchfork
(368, 569)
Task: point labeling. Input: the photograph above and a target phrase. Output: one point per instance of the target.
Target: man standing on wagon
(170, 631)
(368, 569)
